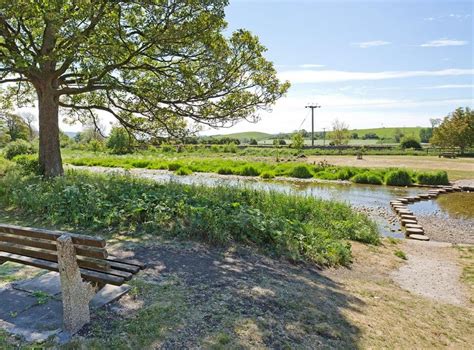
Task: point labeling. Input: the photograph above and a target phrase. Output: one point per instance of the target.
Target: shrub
(28, 164)
(249, 170)
(267, 175)
(410, 142)
(398, 178)
(433, 178)
(253, 142)
(225, 171)
(183, 171)
(345, 174)
(167, 148)
(230, 148)
(300, 172)
(17, 148)
(174, 166)
(140, 163)
(120, 142)
(367, 178)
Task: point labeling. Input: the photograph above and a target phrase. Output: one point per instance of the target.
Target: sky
(367, 63)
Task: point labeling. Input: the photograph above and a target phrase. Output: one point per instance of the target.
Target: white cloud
(330, 76)
(444, 42)
(450, 86)
(368, 44)
(310, 65)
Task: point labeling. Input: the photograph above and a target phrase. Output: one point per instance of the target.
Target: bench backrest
(41, 244)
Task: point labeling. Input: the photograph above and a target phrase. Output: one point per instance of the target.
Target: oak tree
(157, 66)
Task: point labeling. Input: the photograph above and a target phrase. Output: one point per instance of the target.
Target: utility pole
(312, 121)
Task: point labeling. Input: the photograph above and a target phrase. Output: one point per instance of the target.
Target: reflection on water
(457, 205)
(354, 194)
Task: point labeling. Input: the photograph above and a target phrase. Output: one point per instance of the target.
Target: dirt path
(432, 271)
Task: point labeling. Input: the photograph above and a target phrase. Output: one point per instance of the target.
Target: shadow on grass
(237, 298)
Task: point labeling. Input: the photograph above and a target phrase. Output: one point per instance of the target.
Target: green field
(386, 133)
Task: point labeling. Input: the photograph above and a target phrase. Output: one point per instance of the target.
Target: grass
(400, 254)
(299, 228)
(246, 166)
(466, 254)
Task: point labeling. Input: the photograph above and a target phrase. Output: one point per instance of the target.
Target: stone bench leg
(76, 294)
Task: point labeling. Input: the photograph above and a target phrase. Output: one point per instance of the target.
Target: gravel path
(431, 271)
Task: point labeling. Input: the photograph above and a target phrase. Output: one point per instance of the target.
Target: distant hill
(71, 134)
(245, 135)
(388, 132)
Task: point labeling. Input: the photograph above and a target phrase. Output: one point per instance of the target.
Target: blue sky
(368, 63)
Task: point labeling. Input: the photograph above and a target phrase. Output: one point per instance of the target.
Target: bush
(230, 148)
(174, 166)
(28, 164)
(398, 178)
(249, 171)
(120, 142)
(183, 171)
(410, 142)
(432, 178)
(267, 175)
(17, 148)
(367, 178)
(225, 171)
(300, 172)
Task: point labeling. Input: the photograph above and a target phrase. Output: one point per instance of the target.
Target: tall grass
(297, 227)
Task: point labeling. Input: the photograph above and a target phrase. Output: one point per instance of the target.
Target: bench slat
(89, 275)
(91, 252)
(52, 235)
(88, 263)
(131, 262)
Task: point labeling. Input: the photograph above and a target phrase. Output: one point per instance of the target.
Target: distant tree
(340, 133)
(297, 141)
(370, 136)
(354, 136)
(456, 130)
(398, 134)
(410, 142)
(29, 119)
(435, 122)
(426, 134)
(120, 141)
(14, 126)
(253, 142)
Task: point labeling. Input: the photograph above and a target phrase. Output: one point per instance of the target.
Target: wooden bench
(82, 262)
(447, 155)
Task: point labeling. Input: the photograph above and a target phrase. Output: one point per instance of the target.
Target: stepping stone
(408, 216)
(396, 203)
(407, 222)
(404, 211)
(442, 190)
(425, 196)
(414, 226)
(419, 237)
(403, 200)
(411, 231)
(413, 198)
(448, 189)
(457, 188)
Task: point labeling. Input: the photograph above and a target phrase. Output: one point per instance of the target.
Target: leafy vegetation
(456, 130)
(243, 167)
(410, 142)
(398, 178)
(17, 148)
(432, 178)
(299, 228)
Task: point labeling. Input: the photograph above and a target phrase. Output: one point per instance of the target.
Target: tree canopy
(157, 66)
(456, 130)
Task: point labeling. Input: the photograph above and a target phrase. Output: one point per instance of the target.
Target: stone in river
(411, 231)
(419, 237)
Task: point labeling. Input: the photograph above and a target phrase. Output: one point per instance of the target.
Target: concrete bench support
(76, 294)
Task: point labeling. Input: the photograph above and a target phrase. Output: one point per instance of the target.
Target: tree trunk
(49, 149)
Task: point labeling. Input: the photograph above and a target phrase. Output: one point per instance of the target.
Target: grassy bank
(266, 169)
(296, 227)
